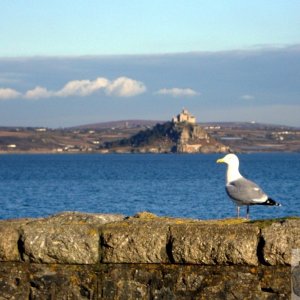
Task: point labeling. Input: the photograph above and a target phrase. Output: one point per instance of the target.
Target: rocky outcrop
(169, 137)
(99, 256)
(194, 139)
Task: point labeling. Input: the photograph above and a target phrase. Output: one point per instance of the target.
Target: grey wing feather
(245, 192)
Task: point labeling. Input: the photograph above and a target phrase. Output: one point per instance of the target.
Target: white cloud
(247, 97)
(38, 93)
(120, 87)
(7, 93)
(82, 87)
(125, 87)
(178, 92)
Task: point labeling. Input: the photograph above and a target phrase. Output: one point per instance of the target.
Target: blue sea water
(167, 185)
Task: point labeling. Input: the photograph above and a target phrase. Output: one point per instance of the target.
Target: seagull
(241, 190)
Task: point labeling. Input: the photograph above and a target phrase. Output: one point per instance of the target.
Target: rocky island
(182, 135)
(76, 255)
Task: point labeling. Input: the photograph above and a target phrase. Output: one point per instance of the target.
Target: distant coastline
(240, 137)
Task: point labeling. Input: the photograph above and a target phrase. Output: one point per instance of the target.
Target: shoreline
(137, 152)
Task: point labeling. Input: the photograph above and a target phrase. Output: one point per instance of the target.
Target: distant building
(12, 146)
(184, 117)
(41, 129)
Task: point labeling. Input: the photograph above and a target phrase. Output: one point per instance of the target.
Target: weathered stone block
(279, 239)
(14, 281)
(62, 282)
(67, 237)
(135, 242)
(64, 244)
(75, 217)
(9, 237)
(212, 244)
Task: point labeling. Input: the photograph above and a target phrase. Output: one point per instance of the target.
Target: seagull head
(230, 160)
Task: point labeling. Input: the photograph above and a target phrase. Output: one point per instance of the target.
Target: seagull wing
(245, 192)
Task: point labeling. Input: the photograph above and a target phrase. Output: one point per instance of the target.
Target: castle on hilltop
(182, 135)
(184, 117)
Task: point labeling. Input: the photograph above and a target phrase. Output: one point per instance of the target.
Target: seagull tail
(271, 202)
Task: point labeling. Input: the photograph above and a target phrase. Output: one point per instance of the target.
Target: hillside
(119, 124)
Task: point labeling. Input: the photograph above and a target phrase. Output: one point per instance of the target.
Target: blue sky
(65, 63)
(95, 27)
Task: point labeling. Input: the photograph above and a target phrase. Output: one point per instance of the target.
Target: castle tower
(184, 117)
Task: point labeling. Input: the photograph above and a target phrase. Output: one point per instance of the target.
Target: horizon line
(147, 120)
(251, 49)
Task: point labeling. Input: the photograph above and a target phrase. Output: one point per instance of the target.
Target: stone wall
(96, 256)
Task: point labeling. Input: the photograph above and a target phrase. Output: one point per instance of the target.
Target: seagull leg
(238, 211)
(248, 212)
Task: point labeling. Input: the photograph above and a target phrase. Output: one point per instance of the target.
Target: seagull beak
(219, 161)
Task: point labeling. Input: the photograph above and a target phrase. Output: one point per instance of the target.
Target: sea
(173, 185)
